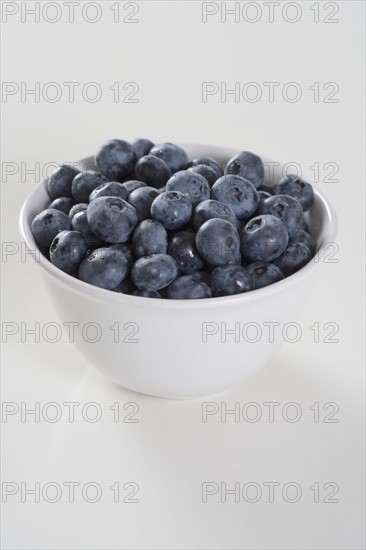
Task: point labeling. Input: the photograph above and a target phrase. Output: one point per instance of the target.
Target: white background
(170, 452)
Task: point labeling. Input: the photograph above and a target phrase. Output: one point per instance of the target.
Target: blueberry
(194, 186)
(218, 242)
(149, 237)
(84, 183)
(62, 203)
(230, 279)
(126, 252)
(59, 183)
(142, 146)
(183, 248)
(263, 195)
(46, 225)
(264, 274)
(304, 238)
(146, 293)
(248, 166)
(208, 173)
(111, 219)
(293, 258)
(130, 177)
(126, 287)
(211, 163)
(104, 267)
(298, 189)
(174, 156)
(266, 188)
(131, 185)
(263, 238)
(152, 170)
(304, 226)
(206, 210)
(203, 276)
(142, 199)
(238, 193)
(188, 287)
(79, 207)
(110, 189)
(67, 250)
(116, 159)
(287, 209)
(154, 272)
(80, 223)
(172, 209)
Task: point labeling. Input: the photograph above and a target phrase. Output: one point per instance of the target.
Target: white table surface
(170, 452)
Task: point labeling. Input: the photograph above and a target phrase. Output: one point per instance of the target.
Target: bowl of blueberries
(178, 266)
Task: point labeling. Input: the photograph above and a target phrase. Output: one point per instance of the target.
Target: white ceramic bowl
(180, 348)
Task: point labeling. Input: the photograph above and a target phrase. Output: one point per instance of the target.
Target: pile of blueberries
(152, 223)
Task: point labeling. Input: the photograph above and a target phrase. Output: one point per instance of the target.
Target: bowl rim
(76, 285)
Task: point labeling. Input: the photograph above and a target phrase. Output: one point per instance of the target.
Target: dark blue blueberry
(142, 146)
(126, 287)
(116, 159)
(238, 193)
(162, 189)
(263, 195)
(172, 209)
(266, 188)
(173, 155)
(203, 276)
(188, 287)
(110, 189)
(298, 189)
(84, 183)
(248, 166)
(67, 250)
(218, 242)
(59, 183)
(264, 274)
(183, 248)
(194, 186)
(230, 279)
(287, 209)
(152, 170)
(211, 163)
(154, 272)
(126, 252)
(79, 207)
(208, 173)
(304, 238)
(104, 267)
(149, 237)
(131, 185)
(80, 223)
(111, 219)
(237, 260)
(294, 258)
(304, 226)
(63, 203)
(263, 238)
(206, 210)
(130, 177)
(146, 293)
(142, 199)
(46, 225)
